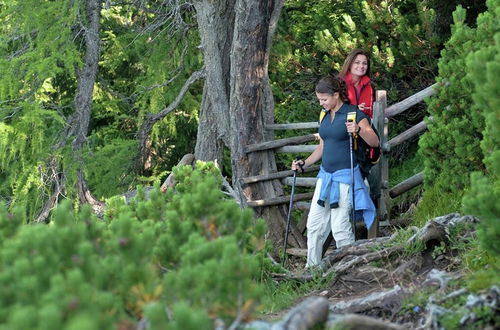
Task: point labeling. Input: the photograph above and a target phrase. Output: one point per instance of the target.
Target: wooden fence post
(379, 177)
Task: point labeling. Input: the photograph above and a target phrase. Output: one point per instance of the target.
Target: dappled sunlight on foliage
(199, 262)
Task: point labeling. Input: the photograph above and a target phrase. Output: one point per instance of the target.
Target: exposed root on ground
(369, 280)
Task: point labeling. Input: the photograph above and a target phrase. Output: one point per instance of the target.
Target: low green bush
(177, 259)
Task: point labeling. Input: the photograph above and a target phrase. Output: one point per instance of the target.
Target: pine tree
(41, 53)
(451, 145)
(483, 67)
(37, 80)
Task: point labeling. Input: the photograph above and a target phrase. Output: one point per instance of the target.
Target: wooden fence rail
(276, 175)
(296, 149)
(278, 127)
(407, 103)
(282, 142)
(280, 200)
(406, 185)
(301, 182)
(409, 133)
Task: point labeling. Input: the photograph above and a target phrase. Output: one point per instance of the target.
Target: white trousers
(323, 219)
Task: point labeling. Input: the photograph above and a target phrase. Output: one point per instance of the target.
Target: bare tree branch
(151, 119)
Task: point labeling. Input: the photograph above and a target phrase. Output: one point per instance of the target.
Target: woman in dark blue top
(332, 202)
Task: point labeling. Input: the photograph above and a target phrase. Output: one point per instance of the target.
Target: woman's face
(328, 101)
(359, 66)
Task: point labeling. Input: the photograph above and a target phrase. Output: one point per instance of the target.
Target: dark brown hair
(350, 59)
(331, 85)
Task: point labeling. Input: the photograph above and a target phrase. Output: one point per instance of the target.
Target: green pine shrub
(451, 145)
(463, 135)
(177, 259)
(462, 160)
(460, 134)
(483, 66)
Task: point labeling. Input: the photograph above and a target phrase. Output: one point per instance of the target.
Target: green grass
(405, 170)
(482, 267)
(399, 173)
(436, 203)
(280, 296)
(402, 237)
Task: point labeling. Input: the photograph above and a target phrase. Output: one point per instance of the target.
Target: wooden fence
(380, 172)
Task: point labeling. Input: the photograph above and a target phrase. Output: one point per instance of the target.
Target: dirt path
(373, 282)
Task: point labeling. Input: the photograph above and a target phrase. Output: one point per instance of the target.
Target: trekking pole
(351, 116)
(288, 217)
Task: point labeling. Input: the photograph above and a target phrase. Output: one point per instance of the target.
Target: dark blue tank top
(336, 153)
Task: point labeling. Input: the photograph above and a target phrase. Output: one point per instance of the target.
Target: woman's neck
(355, 79)
(337, 106)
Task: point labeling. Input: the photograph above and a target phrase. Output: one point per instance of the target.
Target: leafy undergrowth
(174, 260)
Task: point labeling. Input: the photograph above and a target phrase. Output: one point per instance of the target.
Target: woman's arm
(313, 157)
(364, 129)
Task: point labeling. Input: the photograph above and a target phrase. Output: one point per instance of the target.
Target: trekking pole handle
(301, 164)
(351, 118)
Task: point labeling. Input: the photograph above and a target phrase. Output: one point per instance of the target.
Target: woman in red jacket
(356, 73)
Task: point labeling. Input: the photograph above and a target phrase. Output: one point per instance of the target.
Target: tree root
(348, 264)
(387, 300)
(359, 322)
(361, 252)
(309, 313)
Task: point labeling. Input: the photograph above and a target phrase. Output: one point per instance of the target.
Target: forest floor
(403, 281)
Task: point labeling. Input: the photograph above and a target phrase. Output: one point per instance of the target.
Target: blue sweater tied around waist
(330, 190)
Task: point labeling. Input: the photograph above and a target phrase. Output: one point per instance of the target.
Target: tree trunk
(83, 99)
(215, 21)
(237, 101)
(78, 123)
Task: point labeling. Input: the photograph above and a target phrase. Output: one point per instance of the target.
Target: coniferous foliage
(463, 137)
(483, 66)
(451, 147)
(37, 82)
(140, 71)
(174, 260)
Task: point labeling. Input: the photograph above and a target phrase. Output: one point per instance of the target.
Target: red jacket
(365, 93)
